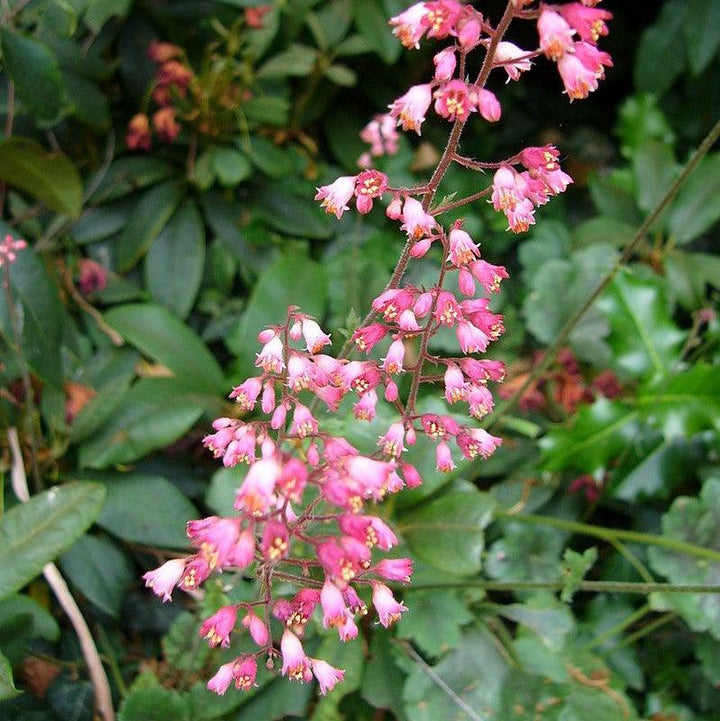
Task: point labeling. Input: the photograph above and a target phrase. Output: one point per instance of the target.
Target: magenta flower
(408, 25)
(296, 665)
(394, 569)
(221, 681)
(328, 676)
(333, 605)
(453, 100)
(410, 109)
(162, 580)
(388, 609)
(588, 22)
(257, 628)
(217, 629)
(556, 36)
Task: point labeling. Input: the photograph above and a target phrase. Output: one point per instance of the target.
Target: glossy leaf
(230, 166)
(644, 339)
(100, 571)
(687, 404)
(161, 336)
(99, 410)
(128, 174)
(154, 413)
(146, 509)
(41, 621)
(50, 177)
(297, 60)
(592, 440)
(174, 264)
(100, 11)
(449, 532)
(39, 313)
(149, 217)
(34, 533)
(372, 24)
(71, 698)
(701, 33)
(35, 72)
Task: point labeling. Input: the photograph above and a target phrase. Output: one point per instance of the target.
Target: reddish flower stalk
(307, 488)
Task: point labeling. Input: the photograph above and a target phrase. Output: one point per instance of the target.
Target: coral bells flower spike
(588, 22)
(370, 184)
(410, 109)
(394, 569)
(416, 222)
(556, 36)
(244, 672)
(327, 676)
(453, 100)
(336, 196)
(314, 336)
(440, 18)
(162, 580)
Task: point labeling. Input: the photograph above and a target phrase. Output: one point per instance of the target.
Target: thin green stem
(633, 243)
(639, 588)
(613, 534)
(618, 628)
(644, 631)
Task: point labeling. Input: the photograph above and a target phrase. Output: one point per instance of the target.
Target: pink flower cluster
(305, 510)
(517, 193)
(9, 248)
(580, 64)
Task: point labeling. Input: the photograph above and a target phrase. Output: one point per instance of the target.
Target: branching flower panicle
(307, 507)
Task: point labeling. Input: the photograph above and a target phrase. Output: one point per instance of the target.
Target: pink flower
(480, 401)
(394, 569)
(303, 424)
(483, 370)
(588, 22)
(216, 537)
(367, 337)
(314, 336)
(443, 458)
(244, 552)
(488, 275)
(162, 580)
(296, 664)
(93, 277)
(555, 34)
(445, 63)
(447, 310)
(541, 160)
(408, 25)
(246, 394)
(370, 184)
(364, 409)
(333, 605)
(275, 541)
(453, 100)
(469, 34)
(393, 361)
(454, 383)
(388, 609)
(327, 675)
(270, 357)
(510, 56)
(244, 672)
(476, 441)
(581, 70)
(257, 628)
(440, 18)
(471, 339)
(411, 475)
(219, 626)
(489, 105)
(255, 496)
(410, 109)
(392, 442)
(416, 222)
(221, 681)
(336, 196)
(462, 247)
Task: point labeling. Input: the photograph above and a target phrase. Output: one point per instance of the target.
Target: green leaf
(50, 177)
(341, 75)
(434, 620)
(34, 533)
(697, 205)
(641, 120)
(575, 566)
(175, 262)
(34, 70)
(350, 658)
(383, 677)
(592, 441)
(146, 509)
(692, 520)
(270, 158)
(100, 11)
(153, 703)
(293, 279)
(7, 686)
(546, 310)
(297, 60)
(128, 174)
(702, 38)
(148, 218)
(549, 619)
(688, 274)
(278, 700)
(182, 645)
(100, 571)
(688, 404)
(662, 50)
(161, 336)
(449, 532)
(655, 170)
(42, 622)
(371, 20)
(475, 673)
(99, 409)
(289, 208)
(525, 553)
(220, 496)
(644, 339)
(39, 313)
(89, 103)
(154, 413)
(230, 166)
(71, 699)
(526, 697)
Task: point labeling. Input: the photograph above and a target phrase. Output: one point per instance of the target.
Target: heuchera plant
(305, 508)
